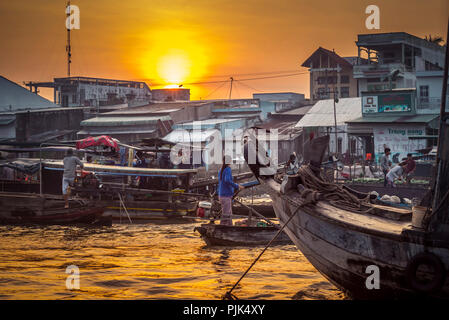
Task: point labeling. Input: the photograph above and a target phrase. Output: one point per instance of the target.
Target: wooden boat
(110, 188)
(222, 235)
(367, 250)
(28, 208)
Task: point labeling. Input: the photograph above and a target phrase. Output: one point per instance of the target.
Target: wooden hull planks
(342, 244)
(222, 235)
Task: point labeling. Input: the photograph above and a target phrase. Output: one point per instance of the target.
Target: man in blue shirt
(226, 187)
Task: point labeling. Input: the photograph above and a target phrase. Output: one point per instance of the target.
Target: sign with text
(369, 104)
(396, 137)
(395, 102)
(385, 103)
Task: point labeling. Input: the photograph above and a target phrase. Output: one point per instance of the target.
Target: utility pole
(335, 109)
(441, 187)
(230, 90)
(335, 121)
(68, 47)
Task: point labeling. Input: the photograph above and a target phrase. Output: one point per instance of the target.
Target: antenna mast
(68, 47)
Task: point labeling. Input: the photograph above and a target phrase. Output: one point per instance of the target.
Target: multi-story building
(429, 85)
(85, 91)
(391, 118)
(330, 73)
(171, 94)
(390, 60)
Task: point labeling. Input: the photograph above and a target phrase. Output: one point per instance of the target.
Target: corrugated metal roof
(234, 110)
(419, 118)
(13, 97)
(285, 129)
(332, 54)
(112, 132)
(4, 122)
(122, 121)
(184, 136)
(322, 113)
(296, 111)
(205, 122)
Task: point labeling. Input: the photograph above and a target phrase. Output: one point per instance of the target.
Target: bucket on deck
(418, 213)
(204, 208)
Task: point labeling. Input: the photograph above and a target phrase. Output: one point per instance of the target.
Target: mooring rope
(315, 188)
(333, 193)
(228, 295)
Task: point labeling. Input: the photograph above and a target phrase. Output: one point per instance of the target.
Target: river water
(148, 261)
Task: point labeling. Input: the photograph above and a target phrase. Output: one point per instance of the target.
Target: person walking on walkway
(226, 188)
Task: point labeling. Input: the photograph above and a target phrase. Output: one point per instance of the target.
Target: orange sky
(188, 41)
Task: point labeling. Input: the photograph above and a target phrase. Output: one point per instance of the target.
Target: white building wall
(341, 133)
(435, 85)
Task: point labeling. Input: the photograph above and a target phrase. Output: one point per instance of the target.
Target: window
(344, 79)
(373, 80)
(322, 93)
(353, 146)
(424, 93)
(339, 145)
(330, 80)
(344, 92)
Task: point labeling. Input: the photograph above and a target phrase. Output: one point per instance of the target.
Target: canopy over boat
(106, 141)
(27, 167)
(122, 171)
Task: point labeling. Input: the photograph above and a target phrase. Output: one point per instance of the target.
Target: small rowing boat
(223, 235)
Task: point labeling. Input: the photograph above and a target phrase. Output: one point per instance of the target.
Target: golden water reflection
(147, 261)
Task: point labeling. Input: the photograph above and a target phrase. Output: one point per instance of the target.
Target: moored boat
(223, 235)
(28, 208)
(346, 236)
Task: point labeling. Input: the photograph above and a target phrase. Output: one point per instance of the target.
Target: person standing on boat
(292, 165)
(68, 178)
(385, 164)
(226, 187)
(410, 167)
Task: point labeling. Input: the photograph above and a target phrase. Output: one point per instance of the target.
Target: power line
(233, 75)
(246, 79)
(248, 86)
(215, 90)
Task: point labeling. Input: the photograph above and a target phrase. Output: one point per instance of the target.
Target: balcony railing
(431, 103)
(380, 69)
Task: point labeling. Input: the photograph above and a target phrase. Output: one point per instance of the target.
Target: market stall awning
(106, 141)
(418, 118)
(364, 125)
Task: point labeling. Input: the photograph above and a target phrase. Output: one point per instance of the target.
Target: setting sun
(174, 56)
(174, 67)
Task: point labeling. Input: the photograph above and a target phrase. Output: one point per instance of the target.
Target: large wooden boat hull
(342, 245)
(222, 235)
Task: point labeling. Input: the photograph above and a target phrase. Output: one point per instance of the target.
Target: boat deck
(365, 220)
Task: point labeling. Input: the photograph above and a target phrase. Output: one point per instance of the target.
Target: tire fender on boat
(439, 272)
